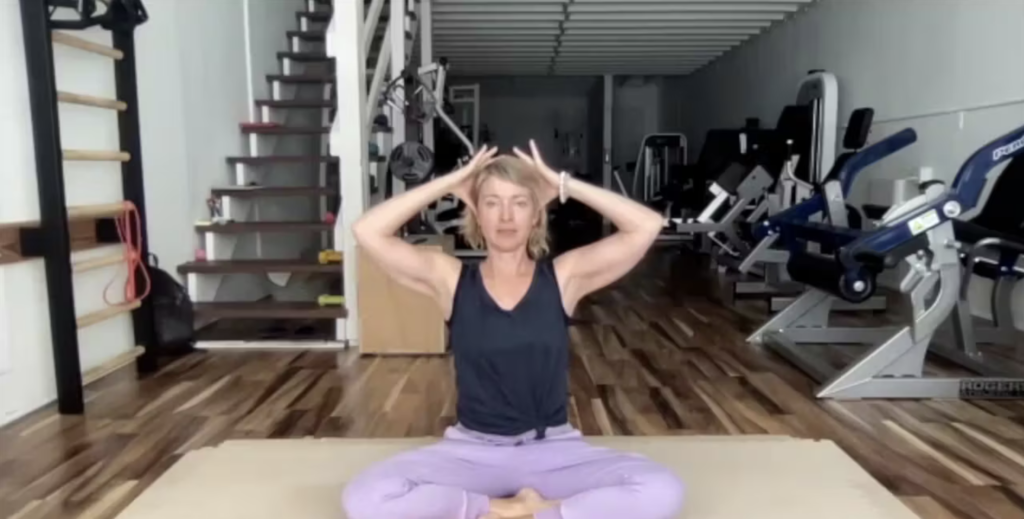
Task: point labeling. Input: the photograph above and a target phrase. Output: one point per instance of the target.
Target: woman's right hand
(464, 176)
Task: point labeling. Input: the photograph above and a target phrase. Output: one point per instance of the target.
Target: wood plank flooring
(652, 356)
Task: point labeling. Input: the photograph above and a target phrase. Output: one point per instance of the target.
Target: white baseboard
(270, 345)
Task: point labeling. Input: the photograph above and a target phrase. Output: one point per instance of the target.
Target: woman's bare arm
(589, 268)
(428, 272)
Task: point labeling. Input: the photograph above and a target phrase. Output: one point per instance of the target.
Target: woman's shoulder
(548, 265)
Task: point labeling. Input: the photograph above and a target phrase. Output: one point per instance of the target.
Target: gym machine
(800, 151)
(414, 163)
(991, 247)
(739, 186)
(741, 183)
(660, 155)
(776, 153)
(658, 175)
(819, 91)
(465, 101)
(918, 233)
(825, 201)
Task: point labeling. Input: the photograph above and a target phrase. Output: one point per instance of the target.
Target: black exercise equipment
(919, 232)
(120, 14)
(992, 245)
(411, 162)
(752, 165)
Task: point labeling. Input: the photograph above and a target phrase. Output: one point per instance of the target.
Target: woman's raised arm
(428, 272)
(589, 268)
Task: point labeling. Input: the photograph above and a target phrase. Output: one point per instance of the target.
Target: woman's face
(506, 213)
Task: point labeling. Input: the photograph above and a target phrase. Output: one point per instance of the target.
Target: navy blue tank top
(511, 366)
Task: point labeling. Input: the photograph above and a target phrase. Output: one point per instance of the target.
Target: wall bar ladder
(53, 237)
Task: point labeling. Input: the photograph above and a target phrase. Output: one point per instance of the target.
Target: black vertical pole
(42, 89)
(133, 187)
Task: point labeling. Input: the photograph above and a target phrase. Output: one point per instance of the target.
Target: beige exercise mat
(726, 478)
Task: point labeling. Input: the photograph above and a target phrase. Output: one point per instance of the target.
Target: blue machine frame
(919, 232)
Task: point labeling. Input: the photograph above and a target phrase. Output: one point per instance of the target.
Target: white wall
(191, 123)
(517, 109)
(952, 70)
(193, 95)
(194, 76)
(636, 112)
(28, 381)
(267, 21)
(595, 131)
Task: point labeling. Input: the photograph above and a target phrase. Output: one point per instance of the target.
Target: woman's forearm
(389, 216)
(627, 215)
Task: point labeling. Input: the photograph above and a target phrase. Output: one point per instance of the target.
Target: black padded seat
(1002, 216)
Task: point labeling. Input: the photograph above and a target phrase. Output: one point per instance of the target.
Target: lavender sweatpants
(454, 479)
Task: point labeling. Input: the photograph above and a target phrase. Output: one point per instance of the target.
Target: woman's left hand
(549, 179)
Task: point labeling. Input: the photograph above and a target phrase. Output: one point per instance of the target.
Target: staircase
(270, 228)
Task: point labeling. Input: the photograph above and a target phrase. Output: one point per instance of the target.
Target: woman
(513, 453)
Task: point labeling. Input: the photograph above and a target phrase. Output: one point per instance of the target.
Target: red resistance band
(129, 232)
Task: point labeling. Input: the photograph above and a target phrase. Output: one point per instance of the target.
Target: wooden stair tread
(300, 78)
(295, 103)
(321, 35)
(325, 16)
(274, 159)
(269, 310)
(261, 191)
(304, 56)
(258, 267)
(286, 130)
(308, 35)
(295, 159)
(316, 16)
(247, 227)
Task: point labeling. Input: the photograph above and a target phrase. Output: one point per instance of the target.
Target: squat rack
(50, 238)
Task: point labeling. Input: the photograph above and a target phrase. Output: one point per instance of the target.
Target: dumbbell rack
(51, 239)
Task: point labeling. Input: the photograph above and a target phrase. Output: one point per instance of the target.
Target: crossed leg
(456, 480)
(448, 480)
(595, 482)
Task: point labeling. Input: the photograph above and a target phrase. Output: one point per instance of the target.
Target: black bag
(173, 314)
(120, 15)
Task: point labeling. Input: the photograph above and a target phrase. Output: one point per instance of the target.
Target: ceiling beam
(490, 45)
(645, 48)
(656, 33)
(496, 38)
(593, 37)
(490, 17)
(662, 16)
(495, 9)
(804, 2)
(658, 24)
(667, 39)
(484, 59)
(612, 60)
(685, 7)
(491, 2)
(496, 24)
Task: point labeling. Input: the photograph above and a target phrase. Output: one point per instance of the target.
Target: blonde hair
(519, 172)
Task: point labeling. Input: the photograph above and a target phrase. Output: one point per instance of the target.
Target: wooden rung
(112, 365)
(106, 313)
(120, 156)
(97, 263)
(64, 38)
(98, 102)
(96, 211)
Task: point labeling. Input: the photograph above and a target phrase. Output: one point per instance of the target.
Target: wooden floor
(653, 356)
